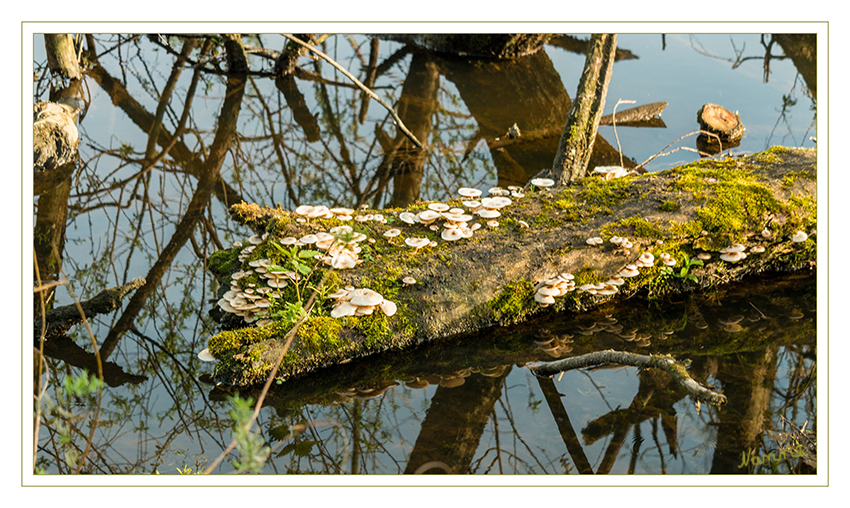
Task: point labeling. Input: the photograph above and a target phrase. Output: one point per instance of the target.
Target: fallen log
(492, 278)
(647, 115)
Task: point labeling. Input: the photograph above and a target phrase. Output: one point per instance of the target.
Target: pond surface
(467, 405)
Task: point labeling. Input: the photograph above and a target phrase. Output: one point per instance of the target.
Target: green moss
(669, 206)
(791, 177)
(320, 334)
(513, 302)
(224, 262)
(634, 226)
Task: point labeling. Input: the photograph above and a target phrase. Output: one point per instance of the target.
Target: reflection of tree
(452, 428)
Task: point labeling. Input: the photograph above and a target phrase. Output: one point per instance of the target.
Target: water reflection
(150, 198)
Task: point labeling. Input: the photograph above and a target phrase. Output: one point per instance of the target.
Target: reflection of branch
(667, 364)
(363, 87)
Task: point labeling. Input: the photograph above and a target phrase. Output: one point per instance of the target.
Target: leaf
(302, 269)
(308, 254)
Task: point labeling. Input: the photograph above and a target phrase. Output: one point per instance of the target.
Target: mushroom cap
(319, 211)
(255, 239)
(757, 249)
(457, 217)
(798, 237)
(308, 239)
(735, 247)
(472, 204)
(489, 214)
(542, 182)
(609, 289)
(387, 307)
(342, 309)
(629, 272)
(705, 256)
(495, 202)
(493, 223)
(732, 257)
(438, 207)
(416, 242)
(408, 280)
(544, 299)
(468, 192)
(391, 233)
(647, 258)
(407, 217)
(342, 211)
(206, 356)
(344, 259)
(428, 216)
(616, 240)
(304, 209)
(549, 291)
(451, 234)
(364, 297)
(594, 241)
(339, 293)
(669, 261)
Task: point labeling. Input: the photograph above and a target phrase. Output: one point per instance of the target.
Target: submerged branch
(676, 370)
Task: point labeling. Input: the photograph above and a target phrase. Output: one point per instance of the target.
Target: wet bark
(488, 280)
(574, 149)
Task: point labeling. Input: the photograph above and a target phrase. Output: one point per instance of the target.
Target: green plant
(58, 414)
(296, 260)
(253, 451)
(684, 273)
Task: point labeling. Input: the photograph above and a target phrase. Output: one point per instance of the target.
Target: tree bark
(576, 143)
(61, 57)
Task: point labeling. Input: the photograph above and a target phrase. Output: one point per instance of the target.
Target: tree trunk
(489, 279)
(61, 57)
(583, 118)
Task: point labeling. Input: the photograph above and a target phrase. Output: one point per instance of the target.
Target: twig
(363, 87)
(661, 153)
(614, 119)
(675, 369)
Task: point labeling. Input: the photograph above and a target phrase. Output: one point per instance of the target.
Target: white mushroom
(407, 217)
(392, 233)
(451, 234)
(798, 237)
(206, 356)
(469, 192)
(732, 257)
(594, 241)
(542, 182)
(416, 243)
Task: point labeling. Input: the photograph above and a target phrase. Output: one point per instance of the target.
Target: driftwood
(719, 120)
(60, 319)
(676, 370)
(647, 115)
(489, 279)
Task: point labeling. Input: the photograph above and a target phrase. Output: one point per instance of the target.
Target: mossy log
(489, 279)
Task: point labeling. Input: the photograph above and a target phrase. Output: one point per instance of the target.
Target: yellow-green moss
(320, 334)
(791, 177)
(635, 226)
(669, 206)
(513, 302)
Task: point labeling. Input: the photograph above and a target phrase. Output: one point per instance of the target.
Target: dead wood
(676, 370)
(61, 319)
(489, 279)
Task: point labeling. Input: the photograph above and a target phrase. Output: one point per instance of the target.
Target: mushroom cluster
(251, 304)
(360, 302)
(623, 243)
(553, 345)
(547, 290)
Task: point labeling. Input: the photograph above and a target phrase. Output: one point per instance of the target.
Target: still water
(466, 405)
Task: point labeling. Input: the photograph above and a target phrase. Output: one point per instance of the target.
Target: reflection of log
(64, 349)
(574, 149)
(470, 285)
(477, 45)
(451, 430)
(575, 45)
(643, 116)
(668, 365)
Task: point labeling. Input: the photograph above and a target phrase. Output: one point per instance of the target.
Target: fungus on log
(491, 277)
